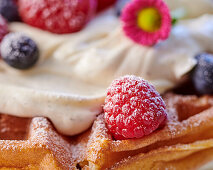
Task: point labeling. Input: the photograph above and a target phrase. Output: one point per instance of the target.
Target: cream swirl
(68, 84)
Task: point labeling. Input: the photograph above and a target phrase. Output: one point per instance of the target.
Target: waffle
(185, 142)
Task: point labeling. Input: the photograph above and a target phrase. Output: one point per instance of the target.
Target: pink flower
(146, 21)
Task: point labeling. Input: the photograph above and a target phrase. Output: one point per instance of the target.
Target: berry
(16, 1)
(19, 51)
(57, 16)
(9, 10)
(202, 75)
(133, 108)
(3, 28)
(102, 4)
(120, 5)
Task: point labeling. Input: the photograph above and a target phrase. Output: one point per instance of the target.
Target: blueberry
(9, 10)
(202, 75)
(19, 51)
(120, 5)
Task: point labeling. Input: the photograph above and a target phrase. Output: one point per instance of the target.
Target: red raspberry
(133, 108)
(3, 28)
(16, 1)
(102, 4)
(57, 16)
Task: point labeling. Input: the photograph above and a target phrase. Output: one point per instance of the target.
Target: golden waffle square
(186, 142)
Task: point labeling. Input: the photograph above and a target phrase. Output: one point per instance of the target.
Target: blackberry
(120, 5)
(9, 10)
(19, 51)
(202, 75)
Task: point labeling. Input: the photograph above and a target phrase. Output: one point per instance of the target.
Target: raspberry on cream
(64, 16)
(133, 108)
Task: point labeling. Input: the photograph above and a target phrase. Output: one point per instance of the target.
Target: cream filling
(68, 84)
(193, 8)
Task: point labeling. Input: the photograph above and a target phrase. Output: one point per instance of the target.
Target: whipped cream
(191, 9)
(68, 84)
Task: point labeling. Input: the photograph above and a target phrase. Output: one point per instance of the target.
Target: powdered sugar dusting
(140, 105)
(42, 140)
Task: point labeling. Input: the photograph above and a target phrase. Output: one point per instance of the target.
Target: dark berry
(9, 10)
(3, 28)
(19, 51)
(16, 1)
(102, 4)
(120, 5)
(202, 75)
(133, 108)
(57, 16)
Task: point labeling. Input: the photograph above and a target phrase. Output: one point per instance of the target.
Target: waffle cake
(54, 80)
(186, 142)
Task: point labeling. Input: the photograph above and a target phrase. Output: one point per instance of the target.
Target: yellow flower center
(149, 19)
